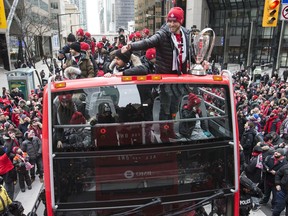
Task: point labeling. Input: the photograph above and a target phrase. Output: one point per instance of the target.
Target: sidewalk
(29, 197)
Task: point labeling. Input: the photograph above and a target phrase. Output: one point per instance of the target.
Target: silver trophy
(201, 46)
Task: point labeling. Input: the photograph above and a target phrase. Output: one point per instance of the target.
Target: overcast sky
(92, 18)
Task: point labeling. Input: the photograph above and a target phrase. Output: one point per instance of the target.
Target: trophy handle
(191, 50)
(212, 42)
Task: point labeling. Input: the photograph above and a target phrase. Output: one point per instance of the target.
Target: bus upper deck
(105, 153)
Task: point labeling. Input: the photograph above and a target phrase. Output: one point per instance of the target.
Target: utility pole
(58, 26)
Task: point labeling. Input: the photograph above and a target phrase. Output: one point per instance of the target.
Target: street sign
(3, 23)
(284, 12)
(284, 1)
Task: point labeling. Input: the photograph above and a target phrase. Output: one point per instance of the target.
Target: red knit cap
(87, 34)
(275, 112)
(99, 45)
(193, 100)
(176, 14)
(80, 32)
(137, 34)
(146, 31)
(84, 46)
(151, 53)
(77, 118)
(131, 36)
(67, 97)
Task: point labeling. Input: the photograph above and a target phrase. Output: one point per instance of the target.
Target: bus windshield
(107, 143)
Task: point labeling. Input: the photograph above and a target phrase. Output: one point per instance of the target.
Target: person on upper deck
(171, 43)
(172, 50)
(79, 65)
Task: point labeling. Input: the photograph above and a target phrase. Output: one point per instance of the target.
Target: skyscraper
(124, 12)
(81, 4)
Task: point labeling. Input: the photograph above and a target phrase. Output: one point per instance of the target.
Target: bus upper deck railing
(139, 123)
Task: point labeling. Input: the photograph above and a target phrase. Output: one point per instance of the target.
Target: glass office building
(241, 37)
(238, 27)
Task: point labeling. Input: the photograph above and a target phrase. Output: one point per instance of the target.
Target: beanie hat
(254, 97)
(137, 34)
(6, 125)
(77, 118)
(257, 149)
(131, 36)
(80, 32)
(67, 97)
(99, 45)
(151, 53)
(280, 151)
(176, 14)
(87, 34)
(23, 116)
(193, 100)
(125, 57)
(76, 46)
(84, 46)
(71, 38)
(146, 31)
(256, 116)
(15, 149)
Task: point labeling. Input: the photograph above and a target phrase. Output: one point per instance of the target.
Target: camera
(121, 38)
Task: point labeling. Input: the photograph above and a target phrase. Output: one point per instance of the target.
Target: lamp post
(154, 21)
(58, 25)
(75, 25)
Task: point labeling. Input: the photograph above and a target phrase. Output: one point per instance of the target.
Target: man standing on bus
(171, 43)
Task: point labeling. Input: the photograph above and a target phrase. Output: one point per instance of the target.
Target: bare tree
(34, 26)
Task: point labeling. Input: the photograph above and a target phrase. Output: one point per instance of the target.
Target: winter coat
(84, 64)
(5, 164)
(9, 144)
(247, 141)
(253, 172)
(269, 124)
(186, 128)
(241, 123)
(131, 68)
(19, 162)
(147, 65)
(284, 127)
(33, 147)
(281, 177)
(23, 127)
(6, 199)
(269, 165)
(164, 45)
(101, 57)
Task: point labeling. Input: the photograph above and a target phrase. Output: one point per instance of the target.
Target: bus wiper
(154, 201)
(197, 205)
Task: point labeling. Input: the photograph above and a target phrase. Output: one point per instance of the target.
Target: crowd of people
(20, 141)
(263, 133)
(261, 107)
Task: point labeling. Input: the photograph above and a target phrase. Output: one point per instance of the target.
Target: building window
(54, 5)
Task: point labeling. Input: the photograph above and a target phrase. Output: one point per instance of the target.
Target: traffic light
(270, 13)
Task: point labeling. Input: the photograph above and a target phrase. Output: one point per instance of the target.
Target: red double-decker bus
(103, 153)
